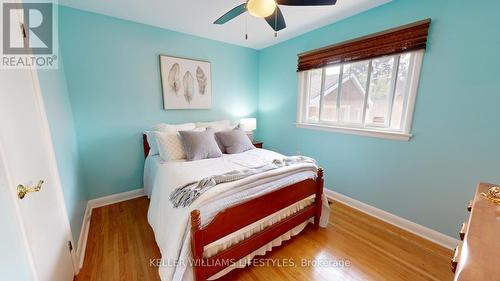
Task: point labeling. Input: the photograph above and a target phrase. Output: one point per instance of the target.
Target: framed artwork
(186, 83)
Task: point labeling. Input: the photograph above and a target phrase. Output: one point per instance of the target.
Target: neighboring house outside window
(376, 95)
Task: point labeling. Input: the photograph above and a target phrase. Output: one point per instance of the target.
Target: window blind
(401, 39)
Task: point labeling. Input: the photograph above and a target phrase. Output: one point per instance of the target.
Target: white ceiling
(196, 17)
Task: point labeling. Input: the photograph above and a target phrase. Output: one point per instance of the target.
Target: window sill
(357, 131)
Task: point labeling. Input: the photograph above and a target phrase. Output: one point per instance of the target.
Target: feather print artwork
(173, 78)
(202, 80)
(188, 82)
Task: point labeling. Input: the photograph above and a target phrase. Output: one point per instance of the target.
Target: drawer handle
(469, 206)
(456, 258)
(463, 230)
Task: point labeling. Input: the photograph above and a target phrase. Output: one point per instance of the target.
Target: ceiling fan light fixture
(261, 8)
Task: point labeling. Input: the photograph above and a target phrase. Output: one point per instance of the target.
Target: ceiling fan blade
(306, 2)
(236, 11)
(277, 22)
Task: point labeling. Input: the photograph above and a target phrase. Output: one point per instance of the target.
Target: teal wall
(429, 179)
(113, 77)
(62, 129)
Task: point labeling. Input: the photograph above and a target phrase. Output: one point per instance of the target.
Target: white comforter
(171, 225)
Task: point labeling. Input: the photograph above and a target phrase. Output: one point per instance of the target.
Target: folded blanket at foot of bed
(186, 194)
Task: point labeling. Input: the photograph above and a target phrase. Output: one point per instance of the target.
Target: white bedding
(151, 167)
(171, 225)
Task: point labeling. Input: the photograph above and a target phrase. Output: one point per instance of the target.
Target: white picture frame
(186, 83)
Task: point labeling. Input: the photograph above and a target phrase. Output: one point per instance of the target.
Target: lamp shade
(248, 124)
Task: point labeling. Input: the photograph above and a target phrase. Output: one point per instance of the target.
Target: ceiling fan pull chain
(246, 26)
(276, 22)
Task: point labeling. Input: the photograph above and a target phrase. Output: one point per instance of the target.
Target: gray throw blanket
(185, 195)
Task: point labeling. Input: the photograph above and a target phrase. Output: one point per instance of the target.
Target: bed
(228, 226)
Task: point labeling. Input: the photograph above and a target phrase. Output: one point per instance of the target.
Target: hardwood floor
(120, 244)
(354, 246)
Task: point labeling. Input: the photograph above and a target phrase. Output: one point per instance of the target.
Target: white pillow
(153, 147)
(217, 126)
(170, 146)
(173, 127)
(162, 127)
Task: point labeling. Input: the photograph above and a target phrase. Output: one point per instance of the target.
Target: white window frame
(404, 134)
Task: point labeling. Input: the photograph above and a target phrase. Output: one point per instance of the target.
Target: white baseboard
(96, 203)
(115, 198)
(420, 230)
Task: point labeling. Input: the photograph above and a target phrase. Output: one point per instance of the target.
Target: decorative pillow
(235, 141)
(217, 126)
(162, 127)
(200, 145)
(170, 146)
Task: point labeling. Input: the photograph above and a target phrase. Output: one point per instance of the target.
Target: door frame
(54, 170)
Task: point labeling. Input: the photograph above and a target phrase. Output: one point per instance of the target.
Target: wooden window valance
(401, 39)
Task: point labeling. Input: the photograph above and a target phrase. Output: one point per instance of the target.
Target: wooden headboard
(145, 145)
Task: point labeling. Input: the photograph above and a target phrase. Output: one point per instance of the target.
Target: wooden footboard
(246, 213)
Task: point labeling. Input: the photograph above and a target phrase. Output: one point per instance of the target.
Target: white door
(28, 157)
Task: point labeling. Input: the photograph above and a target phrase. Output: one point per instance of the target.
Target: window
(373, 95)
(370, 92)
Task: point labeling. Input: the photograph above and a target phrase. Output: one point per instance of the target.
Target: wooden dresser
(478, 258)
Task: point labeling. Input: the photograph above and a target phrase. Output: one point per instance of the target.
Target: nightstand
(257, 144)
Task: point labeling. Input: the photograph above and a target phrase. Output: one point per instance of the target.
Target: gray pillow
(200, 145)
(235, 141)
(219, 143)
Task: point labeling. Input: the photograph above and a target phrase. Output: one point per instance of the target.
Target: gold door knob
(23, 190)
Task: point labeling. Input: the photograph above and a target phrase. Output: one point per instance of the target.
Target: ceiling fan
(269, 10)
